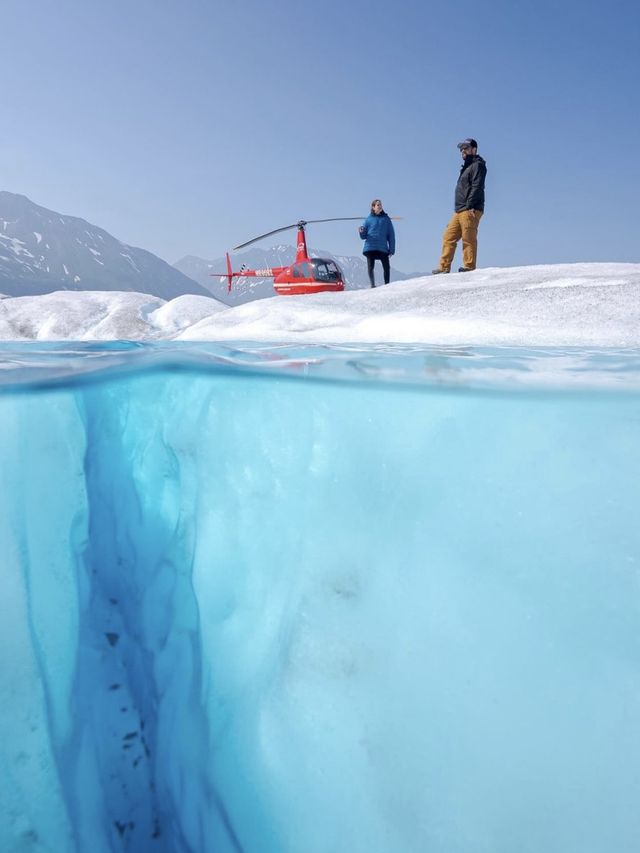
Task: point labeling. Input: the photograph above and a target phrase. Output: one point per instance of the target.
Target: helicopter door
(326, 270)
(302, 270)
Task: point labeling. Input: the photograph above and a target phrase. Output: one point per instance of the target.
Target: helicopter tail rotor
(229, 272)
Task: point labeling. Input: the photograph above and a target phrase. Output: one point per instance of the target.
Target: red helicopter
(305, 274)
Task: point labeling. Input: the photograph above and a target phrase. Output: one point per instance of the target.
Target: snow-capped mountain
(248, 289)
(43, 251)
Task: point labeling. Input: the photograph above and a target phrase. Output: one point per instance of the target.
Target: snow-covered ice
(99, 315)
(563, 304)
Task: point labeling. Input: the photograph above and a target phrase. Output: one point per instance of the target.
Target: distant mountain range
(42, 251)
(248, 289)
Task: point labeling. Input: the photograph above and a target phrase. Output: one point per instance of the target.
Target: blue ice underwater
(313, 608)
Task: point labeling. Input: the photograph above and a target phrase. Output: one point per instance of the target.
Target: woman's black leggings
(375, 255)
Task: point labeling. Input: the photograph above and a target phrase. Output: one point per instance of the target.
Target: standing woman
(379, 240)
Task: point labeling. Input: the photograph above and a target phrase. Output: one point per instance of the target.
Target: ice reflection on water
(496, 368)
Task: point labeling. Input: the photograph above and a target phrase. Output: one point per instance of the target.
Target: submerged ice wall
(248, 613)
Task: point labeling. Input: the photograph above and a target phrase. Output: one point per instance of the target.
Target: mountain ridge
(42, 251)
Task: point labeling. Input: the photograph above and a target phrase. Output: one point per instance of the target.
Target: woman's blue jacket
(378, 234)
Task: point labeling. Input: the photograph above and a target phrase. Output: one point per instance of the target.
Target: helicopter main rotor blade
(303, 222)
(344, 219)
(262, 236)
(334, 219)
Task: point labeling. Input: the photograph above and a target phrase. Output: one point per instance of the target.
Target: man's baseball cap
(468, 143)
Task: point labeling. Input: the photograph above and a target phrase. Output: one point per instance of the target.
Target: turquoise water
(497, 368)
(274, 598)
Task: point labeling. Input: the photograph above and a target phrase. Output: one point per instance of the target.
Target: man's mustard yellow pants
(461, 225)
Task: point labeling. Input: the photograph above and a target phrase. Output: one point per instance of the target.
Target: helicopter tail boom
(267, 272)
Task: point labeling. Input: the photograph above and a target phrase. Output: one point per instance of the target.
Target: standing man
(469, 207)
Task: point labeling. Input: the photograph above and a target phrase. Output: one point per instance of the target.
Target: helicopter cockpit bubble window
(326, 270)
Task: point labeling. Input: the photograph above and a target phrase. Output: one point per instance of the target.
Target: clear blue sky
(188, 126)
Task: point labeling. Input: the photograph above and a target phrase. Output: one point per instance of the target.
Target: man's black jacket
(470, 186)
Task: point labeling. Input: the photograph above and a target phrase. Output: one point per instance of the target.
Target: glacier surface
(586, 304)
(273, 610)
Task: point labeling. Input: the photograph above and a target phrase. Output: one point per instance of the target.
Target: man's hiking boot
(438, 271)
(464, 269)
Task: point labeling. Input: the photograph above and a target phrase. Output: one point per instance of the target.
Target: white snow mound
(560, 304)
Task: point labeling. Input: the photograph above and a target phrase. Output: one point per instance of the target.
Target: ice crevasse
(251, 613)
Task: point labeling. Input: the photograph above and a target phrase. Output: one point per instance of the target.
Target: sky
(187, 127)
